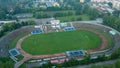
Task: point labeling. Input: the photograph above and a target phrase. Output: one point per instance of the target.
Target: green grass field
(62, 11)
(51, 43)
(73, 18)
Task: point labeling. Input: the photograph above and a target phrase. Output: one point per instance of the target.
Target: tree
(116, 54)
(86, 59)
(117, 24)
(109, 20)
(112, 21)
(101, 58)
(117, 64)
(31, 22)
(93, 13)
(7, 27)
(116, 13)
(86, 9)
(108, 66)
(79, 19)
(78, 12)
(94, 66)
(110, 4)
(1, 65)
(2, 14)
(41, 15)
(8, 64)
(49, 65)
(87, 0)
(69, 13)
(71, 62)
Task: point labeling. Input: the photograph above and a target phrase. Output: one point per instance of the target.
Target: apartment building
(116, 4)
(82, 1)
(97, 0)
(103, 0)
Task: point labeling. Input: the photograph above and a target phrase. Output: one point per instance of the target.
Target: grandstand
(14, 58)
(59, 60)
(14, 52)
(37, 31)
(69, 28)
(75, 53)
(63, 24)
(55, 24)
(113, 32)
(43, 62)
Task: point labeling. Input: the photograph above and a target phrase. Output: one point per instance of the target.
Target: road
(99, 63)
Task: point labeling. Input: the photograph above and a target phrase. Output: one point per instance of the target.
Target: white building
(116, 5)
(3, 22)
(82, 1)
(55, 24)
(97, 0)
(103, 0)
(39, 0)
(45, 0)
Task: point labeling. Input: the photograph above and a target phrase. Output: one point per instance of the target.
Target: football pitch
(57, 42)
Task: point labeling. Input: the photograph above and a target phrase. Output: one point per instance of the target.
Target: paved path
(98, 63)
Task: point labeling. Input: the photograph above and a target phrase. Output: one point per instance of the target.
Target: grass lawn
(62, 11)
(73, 18)
(19, 57)
(51, 13)
(51, 43)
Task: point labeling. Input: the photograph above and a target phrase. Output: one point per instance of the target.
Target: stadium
(61, 41)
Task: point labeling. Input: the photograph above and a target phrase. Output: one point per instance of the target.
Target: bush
(117, 64)
(70, 63)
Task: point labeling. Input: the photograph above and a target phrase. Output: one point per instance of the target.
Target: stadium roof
(113, 32)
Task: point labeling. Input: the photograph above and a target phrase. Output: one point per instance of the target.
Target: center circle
(57, 42)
